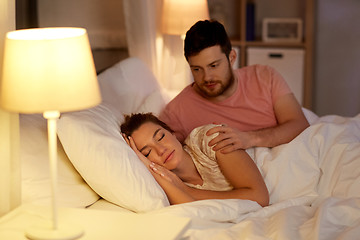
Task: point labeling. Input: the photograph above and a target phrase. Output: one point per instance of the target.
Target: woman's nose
(160, 149)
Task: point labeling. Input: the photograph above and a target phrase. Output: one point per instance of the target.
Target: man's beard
(223, 86)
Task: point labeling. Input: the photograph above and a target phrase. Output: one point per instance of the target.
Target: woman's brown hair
(134, 121)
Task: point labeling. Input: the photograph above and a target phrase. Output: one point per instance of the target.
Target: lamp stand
(53, 231)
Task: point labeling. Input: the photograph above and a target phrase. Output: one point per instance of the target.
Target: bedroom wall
(104, 21)
(337, 58)
(9, 129)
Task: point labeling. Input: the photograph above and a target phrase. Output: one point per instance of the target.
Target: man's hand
(229, 139)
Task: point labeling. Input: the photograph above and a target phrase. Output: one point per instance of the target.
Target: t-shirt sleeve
(279, 85)
(198, 139)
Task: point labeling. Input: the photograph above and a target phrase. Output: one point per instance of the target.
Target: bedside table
(96, 224)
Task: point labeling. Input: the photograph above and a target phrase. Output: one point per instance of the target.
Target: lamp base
(64, 232)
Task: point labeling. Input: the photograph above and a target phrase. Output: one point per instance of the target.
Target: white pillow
(125, 85)
(72, 189)
(156, 101)
(94, 144)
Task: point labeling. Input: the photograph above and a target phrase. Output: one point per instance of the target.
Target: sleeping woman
(192, 171)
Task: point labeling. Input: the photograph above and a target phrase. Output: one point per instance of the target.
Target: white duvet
(314, 185)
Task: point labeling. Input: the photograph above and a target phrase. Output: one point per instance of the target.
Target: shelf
(232, 13)
(307, 15)
(267, 44)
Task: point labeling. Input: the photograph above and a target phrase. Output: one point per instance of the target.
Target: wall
(10, 175)
(103, 20)
(337, 58)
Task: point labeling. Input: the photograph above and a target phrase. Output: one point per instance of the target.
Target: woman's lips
(169, 156)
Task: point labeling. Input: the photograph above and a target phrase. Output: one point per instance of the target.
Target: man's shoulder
(255, 74)
(254, 68)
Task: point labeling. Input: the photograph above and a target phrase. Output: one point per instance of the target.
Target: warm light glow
(179, 15)
(48, 69)
(46, 33)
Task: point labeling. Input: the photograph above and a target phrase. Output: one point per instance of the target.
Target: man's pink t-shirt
(251, 107)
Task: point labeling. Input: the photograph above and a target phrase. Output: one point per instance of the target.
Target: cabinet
(288, 62)
(235, 16)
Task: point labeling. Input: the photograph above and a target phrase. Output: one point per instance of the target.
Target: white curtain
(163, 54)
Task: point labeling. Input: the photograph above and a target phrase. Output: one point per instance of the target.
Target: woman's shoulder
(199, 140)
(200, 132)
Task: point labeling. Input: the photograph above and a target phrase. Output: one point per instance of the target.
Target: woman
(193, 171)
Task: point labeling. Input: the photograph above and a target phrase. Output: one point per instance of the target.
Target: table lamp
(179, 15)
(49, 70)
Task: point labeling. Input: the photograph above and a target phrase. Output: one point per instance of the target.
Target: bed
(313, 181)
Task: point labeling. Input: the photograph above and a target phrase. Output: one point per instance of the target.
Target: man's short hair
(204, 34)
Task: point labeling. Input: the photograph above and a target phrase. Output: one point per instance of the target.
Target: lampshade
(48, 69)
(179, 15)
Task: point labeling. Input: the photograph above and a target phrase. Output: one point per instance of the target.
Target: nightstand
(97, 224)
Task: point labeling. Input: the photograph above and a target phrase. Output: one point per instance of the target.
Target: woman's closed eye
(160, 137)
(147, 154)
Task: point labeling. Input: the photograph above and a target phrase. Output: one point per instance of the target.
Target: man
(253, 104)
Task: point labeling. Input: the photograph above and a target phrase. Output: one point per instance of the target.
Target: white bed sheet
(330, 209)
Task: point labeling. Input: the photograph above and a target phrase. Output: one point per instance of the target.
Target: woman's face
(158, 145)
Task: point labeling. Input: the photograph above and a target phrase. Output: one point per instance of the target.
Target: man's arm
(291, 122)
